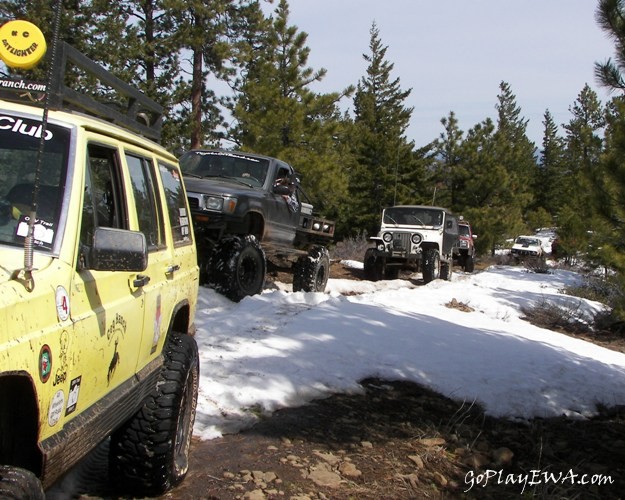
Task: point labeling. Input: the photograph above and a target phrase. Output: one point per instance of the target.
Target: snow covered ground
(281, 349)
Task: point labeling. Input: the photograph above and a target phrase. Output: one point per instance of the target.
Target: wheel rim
(184, 427)
(320, 278)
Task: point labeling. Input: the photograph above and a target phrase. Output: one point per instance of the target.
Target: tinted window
(146, 200)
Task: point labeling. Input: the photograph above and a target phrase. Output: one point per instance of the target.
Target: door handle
(141, 280)
(173, 268)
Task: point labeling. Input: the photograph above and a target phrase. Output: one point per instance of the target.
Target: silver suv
(413, 237)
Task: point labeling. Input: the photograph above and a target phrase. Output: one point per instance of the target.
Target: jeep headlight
(387, 237)
(416, 238)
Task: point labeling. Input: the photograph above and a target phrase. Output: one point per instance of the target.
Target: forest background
(354, 164)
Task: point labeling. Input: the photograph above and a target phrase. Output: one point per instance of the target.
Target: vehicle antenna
(28, 242)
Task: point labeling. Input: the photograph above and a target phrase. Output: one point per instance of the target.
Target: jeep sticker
(72, 397)
(45, 363)
(56, 408)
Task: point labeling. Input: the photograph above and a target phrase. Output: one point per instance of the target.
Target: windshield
(413, 216)
(19, 143)
(526, 242)
(237, 166)
(463, 230)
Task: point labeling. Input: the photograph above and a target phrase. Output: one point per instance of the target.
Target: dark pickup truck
(249, 209)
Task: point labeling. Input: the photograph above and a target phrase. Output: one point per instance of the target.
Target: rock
(325, 477)
(348, 469)
(327, 457)
(431, 442)
(502, 456)
(439, 479)
(417, 460)
(255, 495)
(366, 444)
(475, 460)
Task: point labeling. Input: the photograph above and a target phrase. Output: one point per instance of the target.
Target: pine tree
(514, 151)
(449, 174)
(610, 15)
(551, 183)
(584, 147)
(386, 159)
(276, 113)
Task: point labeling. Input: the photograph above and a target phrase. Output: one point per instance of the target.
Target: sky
(454, 54)
(283, 349)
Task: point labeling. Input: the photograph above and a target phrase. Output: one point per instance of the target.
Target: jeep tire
(431, 265)
(237, 267)
(446, 271)
(374, 265)
(469, 264)
(19, 484)
(311, 272)
(149, 454)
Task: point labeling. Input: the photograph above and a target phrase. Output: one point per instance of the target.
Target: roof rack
(139, 114)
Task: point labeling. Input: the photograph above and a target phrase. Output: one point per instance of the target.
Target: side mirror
(281, 189)
(474, 236)
(118, 250)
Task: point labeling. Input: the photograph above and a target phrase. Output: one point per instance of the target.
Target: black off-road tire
(311, 272)
(431, 265)
(19, 484)
(391, 273)
(469, 264)
(238, 267)
(446, 271)
(149, 454)
(374, 265)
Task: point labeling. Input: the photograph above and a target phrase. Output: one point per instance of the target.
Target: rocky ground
(398, 440)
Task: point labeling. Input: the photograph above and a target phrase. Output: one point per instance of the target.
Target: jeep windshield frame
(19, 144)
(413, 216)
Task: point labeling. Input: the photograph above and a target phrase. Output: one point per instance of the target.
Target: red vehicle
(464, 253)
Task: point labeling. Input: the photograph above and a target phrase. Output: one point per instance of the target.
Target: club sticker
(72, 398)
(57, 406)
(22, 44)
(45, 363)
(62, 303)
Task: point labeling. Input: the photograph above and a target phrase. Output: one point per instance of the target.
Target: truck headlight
(220, 204)
(214, 203)
(387, 237)
(416, 238)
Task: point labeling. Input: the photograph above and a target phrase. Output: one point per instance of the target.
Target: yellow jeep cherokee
(98, 290)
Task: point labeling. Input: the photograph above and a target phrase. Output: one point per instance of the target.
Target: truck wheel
(311, 272)
(431, 265)
(446, 271)
(237, 267)
(374, 265)
(17, 484)
(149, 454)
(469, 264)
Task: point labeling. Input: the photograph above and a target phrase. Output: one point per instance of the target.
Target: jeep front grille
(400, 243)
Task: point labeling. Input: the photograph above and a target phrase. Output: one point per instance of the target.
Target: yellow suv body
(96, 332)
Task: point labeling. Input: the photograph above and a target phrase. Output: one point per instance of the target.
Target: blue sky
(453, 54)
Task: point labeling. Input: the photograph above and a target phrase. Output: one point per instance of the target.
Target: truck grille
(401, 243)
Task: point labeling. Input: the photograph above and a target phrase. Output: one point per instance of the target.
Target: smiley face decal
(22, 44)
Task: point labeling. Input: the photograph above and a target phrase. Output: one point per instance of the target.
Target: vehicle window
(146, 200)
(225, 164)
(103, 198)
(176, 203)
(19, 145)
